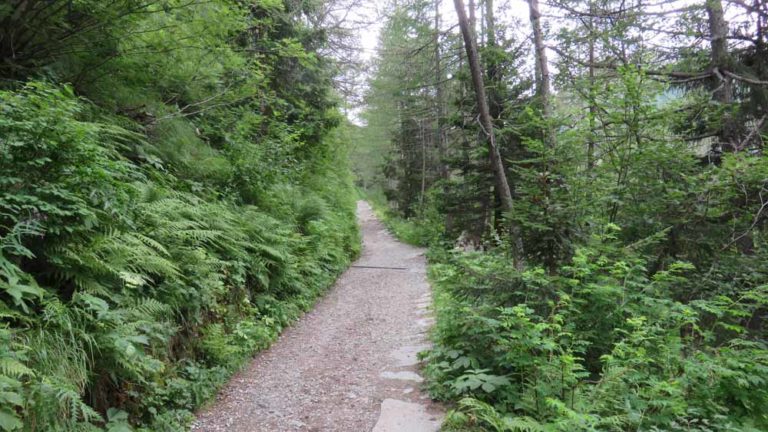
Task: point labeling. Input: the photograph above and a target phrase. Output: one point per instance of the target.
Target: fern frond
(152, 243)
(150, 307)
(488, 416)
(15, 369)
(523, 424)
(73, 409)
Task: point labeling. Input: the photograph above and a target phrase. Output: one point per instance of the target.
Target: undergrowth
(416, 231)
(598, 347)
(126, 296)
(166, 207)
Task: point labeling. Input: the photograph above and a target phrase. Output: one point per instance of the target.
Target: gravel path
(348, 365)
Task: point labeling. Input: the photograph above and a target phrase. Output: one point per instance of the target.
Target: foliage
(639, 202)
(166, 214)
(600, 347)
(421, 230)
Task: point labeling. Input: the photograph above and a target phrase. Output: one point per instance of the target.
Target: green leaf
(9, 421)
(12, 398)
(488, 387)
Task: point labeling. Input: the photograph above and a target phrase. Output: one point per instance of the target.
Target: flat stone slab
(409, 355)
(403, 375)
(401, 416)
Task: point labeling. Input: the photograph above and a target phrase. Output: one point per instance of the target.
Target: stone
(401, 416)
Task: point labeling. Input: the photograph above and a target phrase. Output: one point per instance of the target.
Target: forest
(590, 178)
(178, 182)
(173, 193)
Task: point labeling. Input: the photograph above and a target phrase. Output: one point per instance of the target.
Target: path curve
(350, 364)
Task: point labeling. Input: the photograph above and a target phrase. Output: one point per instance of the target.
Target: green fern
(14, 369)
(63, 406)
(487, 416)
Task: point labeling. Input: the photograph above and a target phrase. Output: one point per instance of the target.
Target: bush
(600, 346)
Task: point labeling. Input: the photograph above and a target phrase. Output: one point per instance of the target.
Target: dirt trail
(348, 365)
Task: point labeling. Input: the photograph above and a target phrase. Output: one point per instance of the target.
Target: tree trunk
(502, 185)
(439, 136)
(422, 138)
(495, 104)
(472, 19)
(490, 24)
(722, 84)
(718, 29)
(493, 85)
(543, 90)
(592, 91)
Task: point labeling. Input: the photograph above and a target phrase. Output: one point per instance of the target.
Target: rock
(400, 416)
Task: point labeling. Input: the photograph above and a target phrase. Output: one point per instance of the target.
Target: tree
(439, 97)
(502, 186)
(543, 89)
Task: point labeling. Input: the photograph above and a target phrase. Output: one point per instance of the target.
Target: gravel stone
(327, 372)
